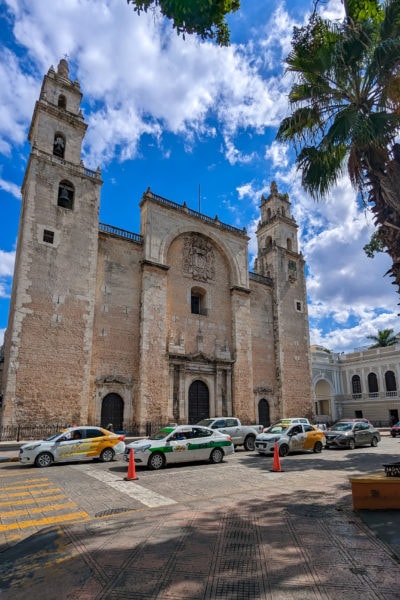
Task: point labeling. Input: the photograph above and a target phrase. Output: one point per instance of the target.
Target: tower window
(48, 236)
(197, 301)
(66, 195)
(62, 101)
(299, 306)
(59, 145)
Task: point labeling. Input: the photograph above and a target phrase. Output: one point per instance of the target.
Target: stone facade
(166, 325)
(363, 383)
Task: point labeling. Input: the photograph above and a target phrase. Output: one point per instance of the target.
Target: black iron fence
(12, 433)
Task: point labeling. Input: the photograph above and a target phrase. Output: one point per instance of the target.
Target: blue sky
(182, 116)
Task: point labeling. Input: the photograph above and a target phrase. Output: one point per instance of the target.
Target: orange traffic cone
(277, 463)
(131, 467)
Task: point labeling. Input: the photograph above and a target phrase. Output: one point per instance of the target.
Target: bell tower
(52, 304)
(279, 258)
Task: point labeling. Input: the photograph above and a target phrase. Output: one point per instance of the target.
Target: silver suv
(349, 434)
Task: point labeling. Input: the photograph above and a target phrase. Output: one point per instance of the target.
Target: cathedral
(168, 324)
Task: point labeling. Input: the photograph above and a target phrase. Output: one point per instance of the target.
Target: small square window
(48, 236)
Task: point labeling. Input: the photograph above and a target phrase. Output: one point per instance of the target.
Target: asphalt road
(234, 531)
(33, 498)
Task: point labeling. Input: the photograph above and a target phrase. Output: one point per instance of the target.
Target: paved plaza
(261, 544)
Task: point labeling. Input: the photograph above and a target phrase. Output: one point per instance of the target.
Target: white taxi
(180, 443)
(290, 437)
(72, 444)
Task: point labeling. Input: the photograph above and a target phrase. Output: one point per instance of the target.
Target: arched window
(62, 101)
(66, 195)
(198, 301)
(356, 384)
(289, 244)
(390, 381)
(372, 383)
(268, 214)
(59, 145)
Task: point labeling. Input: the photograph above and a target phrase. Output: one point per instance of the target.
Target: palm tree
(346, 110)
(383, 338)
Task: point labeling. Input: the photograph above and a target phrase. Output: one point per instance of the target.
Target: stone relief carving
(198, 258)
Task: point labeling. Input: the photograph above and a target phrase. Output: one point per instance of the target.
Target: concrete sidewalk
(302, 546)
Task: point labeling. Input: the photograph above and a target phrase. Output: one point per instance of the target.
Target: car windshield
(277, 428)
(55, 436)
(161, 434)
(342, 427)
(205, 422)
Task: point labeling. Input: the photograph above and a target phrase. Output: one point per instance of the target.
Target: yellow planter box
(376, 491)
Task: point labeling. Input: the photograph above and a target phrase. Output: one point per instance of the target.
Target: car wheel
(374, 442)
(44, 459)
(216, 456)
(249, 442)
(352, 444)
(156, 461)
(393, 434)
(318, 447)
(107, 455)
(283, 450)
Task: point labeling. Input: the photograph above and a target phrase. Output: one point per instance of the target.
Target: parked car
(294, 437)
(242, 435)
(290, 420)
(321, 426)
(180, 443)
(395, 430)
(355, 420)
(72, 444)
(352, 433)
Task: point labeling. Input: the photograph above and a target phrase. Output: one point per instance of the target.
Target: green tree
(205, 18)
(383, 338)
(345, 104)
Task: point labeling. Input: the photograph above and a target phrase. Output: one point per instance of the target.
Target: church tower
(279, 258)
(51, 314)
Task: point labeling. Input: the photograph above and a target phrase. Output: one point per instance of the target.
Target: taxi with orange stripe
(73, 444)
(290, 435)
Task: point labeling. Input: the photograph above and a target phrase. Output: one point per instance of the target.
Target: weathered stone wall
(263, 351)
(116, 329)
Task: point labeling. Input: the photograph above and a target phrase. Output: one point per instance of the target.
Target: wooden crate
(375, 492)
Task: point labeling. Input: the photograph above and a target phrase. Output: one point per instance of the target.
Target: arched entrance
(199, 402)
(263, 413)
(323, 398)
(112, 411)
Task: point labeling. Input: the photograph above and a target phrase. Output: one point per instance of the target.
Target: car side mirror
(62, 439)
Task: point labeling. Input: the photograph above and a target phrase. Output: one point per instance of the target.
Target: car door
(362, 434)
(67, 449)
(201, 444)
(179, 442)
(94, 443)
(297, 437)
(233, 429)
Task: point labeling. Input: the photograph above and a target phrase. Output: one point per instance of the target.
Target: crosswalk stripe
(30, 493)
(130, 488)
(41, 509)
(33, 500)
(76, 516)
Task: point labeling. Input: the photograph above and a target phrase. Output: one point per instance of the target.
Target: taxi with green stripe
(180, 443)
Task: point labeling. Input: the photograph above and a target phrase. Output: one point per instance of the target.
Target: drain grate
(112, 511)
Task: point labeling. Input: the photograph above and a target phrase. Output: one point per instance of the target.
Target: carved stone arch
(234, 267)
